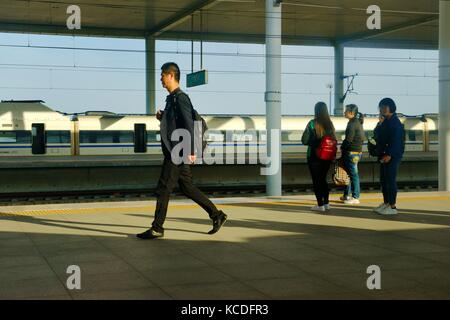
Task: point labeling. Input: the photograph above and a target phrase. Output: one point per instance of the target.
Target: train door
(38, 138)
(140, 138)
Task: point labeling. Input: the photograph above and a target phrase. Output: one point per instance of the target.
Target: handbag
(340, 175)
(372, 147)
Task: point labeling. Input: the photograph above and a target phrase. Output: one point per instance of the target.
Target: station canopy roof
(405, 23)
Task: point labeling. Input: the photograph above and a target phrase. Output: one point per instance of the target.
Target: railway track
(219, 192)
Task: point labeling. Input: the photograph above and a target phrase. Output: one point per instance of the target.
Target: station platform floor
(270, 248)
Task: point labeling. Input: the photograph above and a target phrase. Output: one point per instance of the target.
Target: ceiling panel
(411, 23)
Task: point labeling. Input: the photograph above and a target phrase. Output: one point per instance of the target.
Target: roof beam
(179, 18)
(298, 40)
(243, 38)
(62, 30)
(384, 31)
(214, 37)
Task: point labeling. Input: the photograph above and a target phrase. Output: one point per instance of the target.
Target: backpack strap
(189, 99)
(312, 131)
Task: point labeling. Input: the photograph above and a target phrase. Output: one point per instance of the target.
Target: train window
(58, 136)
(8, 137)
(414, 135)
(153, 136)
(434, 136)
(88, 137)
(124, 137)
(263, 135)
(106, 136)
(291, 135)
(215, 136)
(22, 137)
(242, 136)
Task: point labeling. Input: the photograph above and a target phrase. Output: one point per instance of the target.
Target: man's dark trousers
(388, 180)
(172, 174)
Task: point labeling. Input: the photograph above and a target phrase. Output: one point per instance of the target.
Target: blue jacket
(390, 137)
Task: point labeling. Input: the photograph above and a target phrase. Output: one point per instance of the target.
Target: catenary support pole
(338, 79)
(150, 86)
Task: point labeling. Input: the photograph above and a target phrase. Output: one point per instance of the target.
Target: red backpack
(327, 149)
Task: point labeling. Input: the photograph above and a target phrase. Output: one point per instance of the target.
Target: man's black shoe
(150, 234)
(218, 223)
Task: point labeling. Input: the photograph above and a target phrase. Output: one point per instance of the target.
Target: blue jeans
(388, 180)
(351, 165)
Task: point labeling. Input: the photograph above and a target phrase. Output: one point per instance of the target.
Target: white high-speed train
(29, 128)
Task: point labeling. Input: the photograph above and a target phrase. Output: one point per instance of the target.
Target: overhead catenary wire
(242, 14)
(228, 54)
(213, 91)
(81, 68)
(220, 54)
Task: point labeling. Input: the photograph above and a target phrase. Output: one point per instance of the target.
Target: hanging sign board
(198, 78)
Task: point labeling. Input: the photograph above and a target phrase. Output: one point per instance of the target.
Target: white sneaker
(352, 201)
(388, 211)
(327, 207)
(318, 208)
(380, 208)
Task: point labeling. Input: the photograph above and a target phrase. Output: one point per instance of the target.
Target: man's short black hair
(388, 102)
(172, 67)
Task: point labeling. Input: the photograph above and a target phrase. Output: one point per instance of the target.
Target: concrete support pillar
(444, 96)
(273, 92)
(338, 79)
(150, 80)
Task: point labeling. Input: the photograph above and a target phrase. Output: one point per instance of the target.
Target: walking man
(178, 114)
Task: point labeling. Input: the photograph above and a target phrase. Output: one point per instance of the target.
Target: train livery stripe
(29, 147)
(158, 145)
(216, 145)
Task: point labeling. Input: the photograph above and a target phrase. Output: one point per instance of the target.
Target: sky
(110, 76)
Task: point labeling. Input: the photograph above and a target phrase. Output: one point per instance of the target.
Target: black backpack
(197, 117)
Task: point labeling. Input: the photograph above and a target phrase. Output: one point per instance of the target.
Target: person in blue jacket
(390, 137)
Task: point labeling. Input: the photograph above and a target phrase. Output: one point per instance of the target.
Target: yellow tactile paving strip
(140, 209)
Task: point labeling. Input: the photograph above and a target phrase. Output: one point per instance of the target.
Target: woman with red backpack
(320, 137)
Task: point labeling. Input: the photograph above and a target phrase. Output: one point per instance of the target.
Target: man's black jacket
(177, 115)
